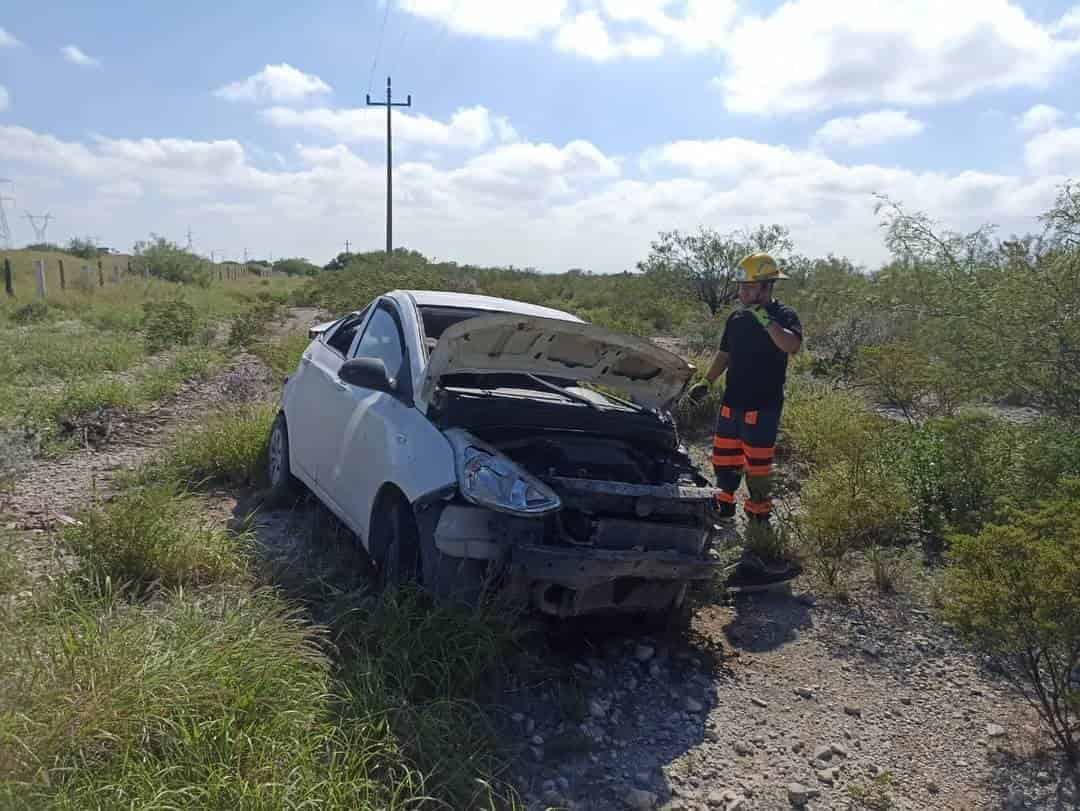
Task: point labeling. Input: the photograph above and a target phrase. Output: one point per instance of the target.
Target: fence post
(63, 281)
(116, 274)
(39, 266)
(100, 274)
(8, 285)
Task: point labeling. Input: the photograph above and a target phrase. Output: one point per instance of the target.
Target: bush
(251, 326)
(1014, 592)
(850, 506)
(821, 426)
(172, 322)
(910, 380)
(956, 469)
(32, 313)
(147, 537)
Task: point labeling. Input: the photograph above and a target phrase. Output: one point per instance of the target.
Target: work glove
(761, 315)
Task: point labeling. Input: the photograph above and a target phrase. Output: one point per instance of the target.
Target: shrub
(1014, 592)
(147, 537)
(849, 506)
(252, 325)
(822, 426)
(957, 469)
(172, 322)
(32, 313)
(910, 380)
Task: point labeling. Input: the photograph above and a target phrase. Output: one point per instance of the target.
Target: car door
(368, 423)
(309, 402)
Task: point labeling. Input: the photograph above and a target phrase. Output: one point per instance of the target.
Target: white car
(469, 440)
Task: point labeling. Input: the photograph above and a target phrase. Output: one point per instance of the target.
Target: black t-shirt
(757, 367)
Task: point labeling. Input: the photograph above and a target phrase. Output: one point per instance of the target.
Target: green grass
(229, 449)
(150, 537)
(283, 354)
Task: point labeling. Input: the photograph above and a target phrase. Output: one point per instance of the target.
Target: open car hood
(635, 368)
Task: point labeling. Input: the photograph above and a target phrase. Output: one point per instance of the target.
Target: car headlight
(491, 480)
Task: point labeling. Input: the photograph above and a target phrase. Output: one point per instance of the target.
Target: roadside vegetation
(111, 340)
(175, 668)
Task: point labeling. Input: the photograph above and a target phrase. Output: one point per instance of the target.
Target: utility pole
(389, 104)
(189, 238)
(347, 243)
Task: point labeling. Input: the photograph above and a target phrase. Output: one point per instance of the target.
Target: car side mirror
(367, 373)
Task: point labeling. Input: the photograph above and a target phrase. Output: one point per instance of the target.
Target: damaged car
(472, 442)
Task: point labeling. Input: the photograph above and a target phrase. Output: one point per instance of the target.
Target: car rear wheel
(283, 485)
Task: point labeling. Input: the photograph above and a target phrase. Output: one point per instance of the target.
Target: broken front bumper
(566, 581)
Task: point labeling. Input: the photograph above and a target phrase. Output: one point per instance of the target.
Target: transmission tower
(39, 230)
(5, 230)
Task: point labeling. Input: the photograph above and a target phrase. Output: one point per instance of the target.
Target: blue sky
(548, 133)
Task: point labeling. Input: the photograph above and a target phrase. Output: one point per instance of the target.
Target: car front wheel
(283, 485)
(395, 534)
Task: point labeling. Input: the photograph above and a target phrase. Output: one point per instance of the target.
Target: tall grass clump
(221, 701)
(153, 536)
(229, 449)
(424, 667)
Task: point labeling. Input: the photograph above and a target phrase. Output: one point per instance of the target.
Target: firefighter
(757, 340)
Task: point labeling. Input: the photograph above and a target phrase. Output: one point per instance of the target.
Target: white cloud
(553, 206)
(76, 56)
(818, 54)
(587, 35)
(276, 83)
(5, 99)
(600, 30)
(491, 18)
(1038, 118)
(468, 127)
(8, 40)
(703, 24)
(1054, 151)
(1070, 21)
(869, 128)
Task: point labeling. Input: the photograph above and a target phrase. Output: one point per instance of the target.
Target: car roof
(471, 301)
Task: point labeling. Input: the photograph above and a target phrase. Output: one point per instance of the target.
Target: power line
(389, 104)
(378, 47)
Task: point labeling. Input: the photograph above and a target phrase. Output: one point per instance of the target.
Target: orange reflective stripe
(727, 443)
(758, 470)
(750, 418)
(758, 507)
(728, 461)
(725, 412)
(759, 455)
(723, 497)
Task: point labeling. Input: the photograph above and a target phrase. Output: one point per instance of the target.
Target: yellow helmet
(757, 267)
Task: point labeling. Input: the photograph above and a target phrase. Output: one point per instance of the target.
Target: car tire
(452, 579)
(284, 487)
(395, 535)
